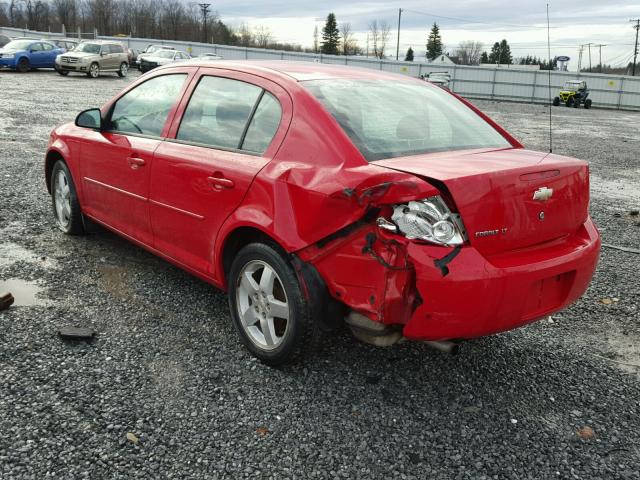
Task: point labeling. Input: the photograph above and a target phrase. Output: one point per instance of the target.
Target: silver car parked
(94, 57)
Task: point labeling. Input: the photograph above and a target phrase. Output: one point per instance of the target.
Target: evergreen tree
(330, 36)
(494, 56)
(409, 56)
(484, 58)
(501, 53)
(505, 53)
(434, 43)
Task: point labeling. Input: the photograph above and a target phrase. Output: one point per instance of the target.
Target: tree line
(161, 19)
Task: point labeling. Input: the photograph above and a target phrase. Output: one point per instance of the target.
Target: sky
(521, 22)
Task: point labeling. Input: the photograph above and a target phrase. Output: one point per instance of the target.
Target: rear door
(37, 55)
(228, 128)
(116, 163)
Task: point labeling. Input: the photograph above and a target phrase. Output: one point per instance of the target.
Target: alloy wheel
(262, 305)
(124, 69)
(94, 70)
(62, 199)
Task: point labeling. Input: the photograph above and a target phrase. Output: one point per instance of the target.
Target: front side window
(387, 119)
(47, 46)
(218, 112)
(144, 110)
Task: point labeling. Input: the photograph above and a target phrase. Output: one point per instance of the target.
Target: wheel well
(52, 158)
(239, 238)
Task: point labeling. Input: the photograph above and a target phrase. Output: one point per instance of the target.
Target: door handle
(136, 162)
(219, 182)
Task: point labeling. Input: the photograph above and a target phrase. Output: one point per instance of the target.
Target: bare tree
(316, 41)
(374, 36)
(173, 15)
(262, 36)
(245, 35)
(385, 29)
(66, 11)
(349, 44)
(379, 36)
(468, 52)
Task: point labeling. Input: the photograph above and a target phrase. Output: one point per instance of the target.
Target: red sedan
(316, 193)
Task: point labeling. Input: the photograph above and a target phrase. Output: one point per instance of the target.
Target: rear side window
(144, 110)
(115, 49)
(47, 46)
(264, 125)
(218, 112)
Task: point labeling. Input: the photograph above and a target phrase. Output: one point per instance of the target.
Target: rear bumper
(482, 296)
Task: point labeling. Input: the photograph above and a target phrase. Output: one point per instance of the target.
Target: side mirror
(90, 119)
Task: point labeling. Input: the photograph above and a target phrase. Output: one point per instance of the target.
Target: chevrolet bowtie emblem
(542, 194)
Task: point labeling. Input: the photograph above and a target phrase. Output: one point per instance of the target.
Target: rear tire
(124, 69)
(270, 313)
(23, 65)
(587, 103)
(64, 198)
(94, 71)
(556, 101)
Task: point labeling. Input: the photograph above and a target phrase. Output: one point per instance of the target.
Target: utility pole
(398, 46)
(204, 9)
(580, 57)
(367, 45)
(600, 56)
(589, 57)
(635, 50)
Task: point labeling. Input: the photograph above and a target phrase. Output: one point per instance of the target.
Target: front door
(117, 162)
(224, 137)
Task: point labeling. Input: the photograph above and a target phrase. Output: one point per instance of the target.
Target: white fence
(610, 91)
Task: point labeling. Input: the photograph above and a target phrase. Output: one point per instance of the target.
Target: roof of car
(102, 42)
(298, 71)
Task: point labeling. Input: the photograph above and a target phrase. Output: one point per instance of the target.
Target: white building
(442, 60)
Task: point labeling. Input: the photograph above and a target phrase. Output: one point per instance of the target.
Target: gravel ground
(166, 390)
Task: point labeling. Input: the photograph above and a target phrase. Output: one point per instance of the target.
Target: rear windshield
(387, 119)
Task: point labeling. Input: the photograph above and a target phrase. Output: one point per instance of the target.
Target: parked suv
(93, 57)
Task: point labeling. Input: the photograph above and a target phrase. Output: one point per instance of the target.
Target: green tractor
(573, 94)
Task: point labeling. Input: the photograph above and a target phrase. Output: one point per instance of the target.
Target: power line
(467, 20)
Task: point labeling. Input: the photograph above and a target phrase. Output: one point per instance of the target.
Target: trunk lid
(508, 199)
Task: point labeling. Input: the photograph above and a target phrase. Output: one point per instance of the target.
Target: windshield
(571, 86)
(387, 119)
(165, 54)
(88, 48)
(18, 45)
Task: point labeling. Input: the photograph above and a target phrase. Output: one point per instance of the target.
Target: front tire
(569, 102)
(23, 65)
(94, 70)
(556, 101)
(64, 73)
(124, 69)
(270, 313)
(66, 207)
